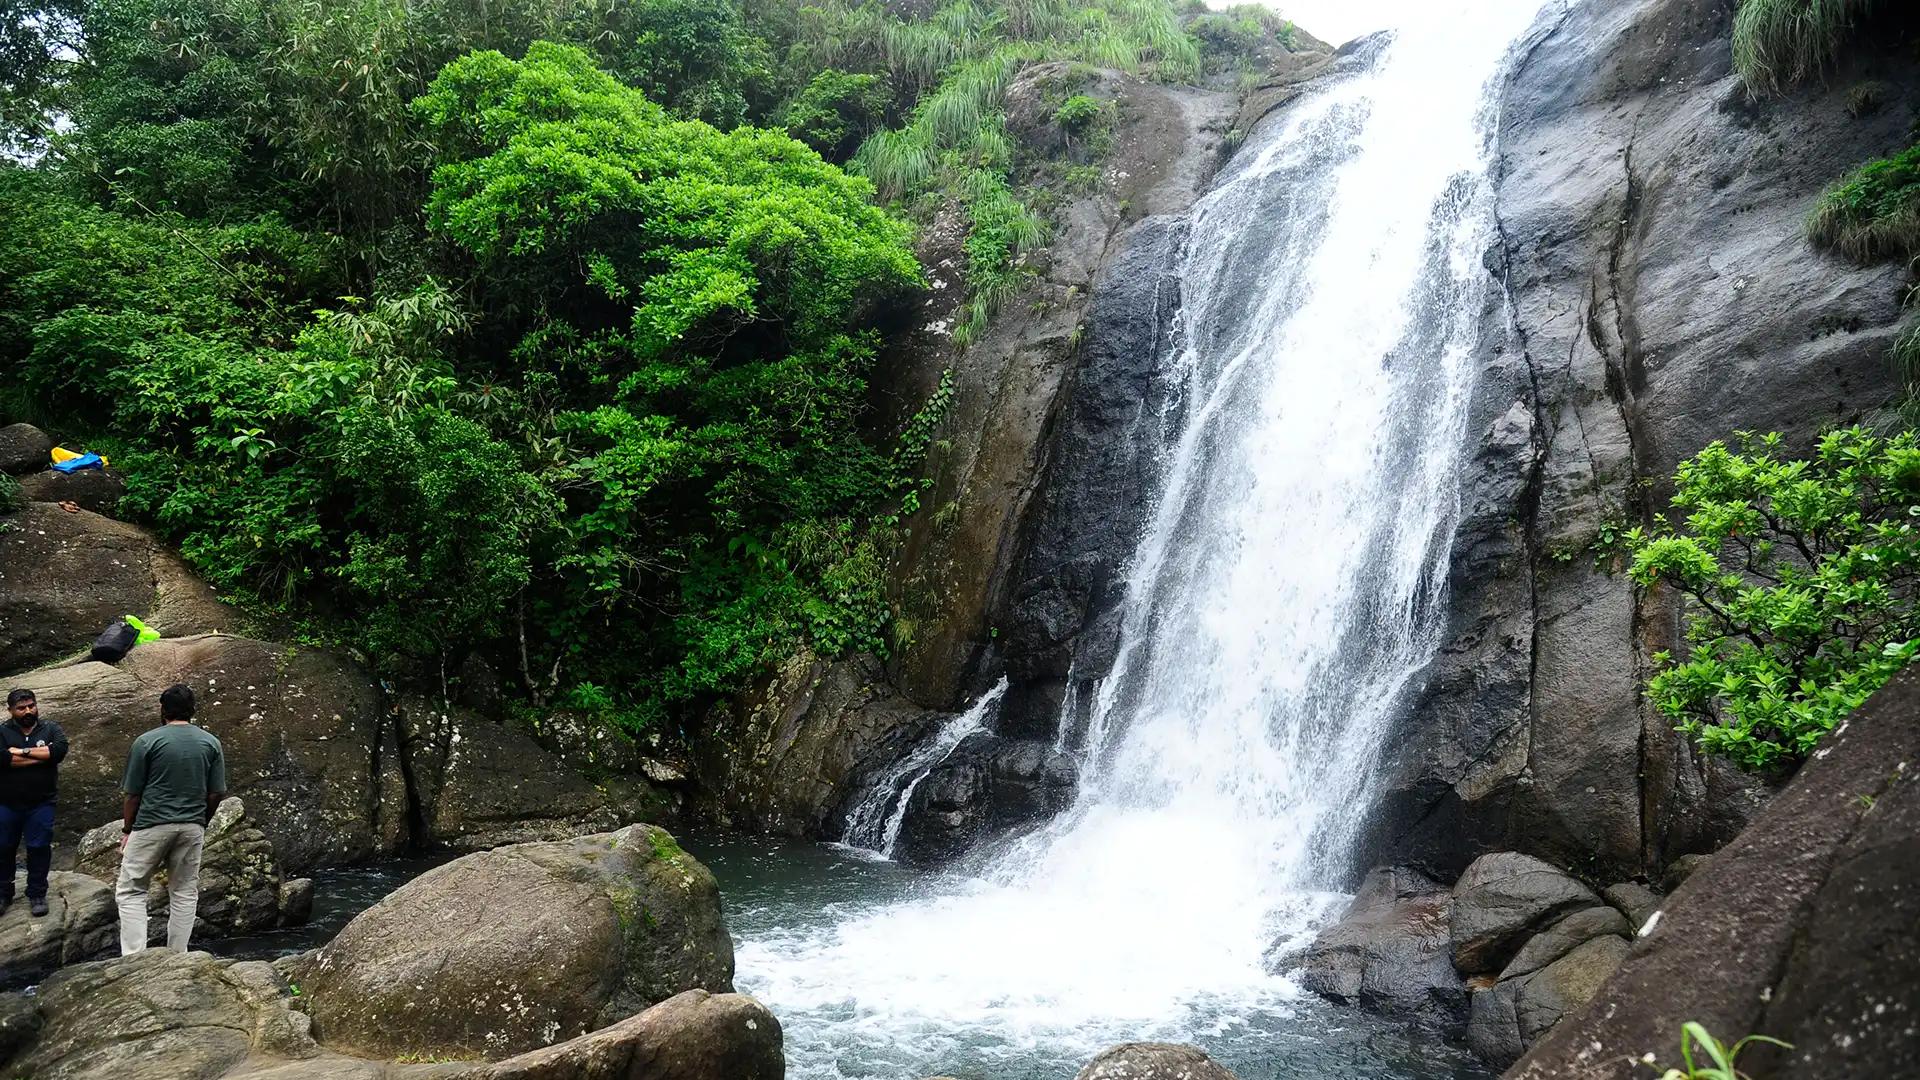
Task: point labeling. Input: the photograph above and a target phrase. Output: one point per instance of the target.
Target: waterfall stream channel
(1286, 590)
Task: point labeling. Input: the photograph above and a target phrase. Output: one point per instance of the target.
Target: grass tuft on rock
(1777, 43)
(1874, 213)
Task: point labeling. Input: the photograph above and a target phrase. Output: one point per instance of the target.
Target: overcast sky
(1339, 21)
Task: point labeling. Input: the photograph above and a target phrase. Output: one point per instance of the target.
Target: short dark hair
(15, 697)
(176, 702)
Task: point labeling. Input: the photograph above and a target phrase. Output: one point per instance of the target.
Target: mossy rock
(504, 951)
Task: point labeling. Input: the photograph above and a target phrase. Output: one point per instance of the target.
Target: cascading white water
(873, 825)
(1284, 593)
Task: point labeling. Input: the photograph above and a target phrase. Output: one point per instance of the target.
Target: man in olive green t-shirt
(176, 777)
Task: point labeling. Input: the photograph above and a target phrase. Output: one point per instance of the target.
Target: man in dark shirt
(34, 748)
(176, 776)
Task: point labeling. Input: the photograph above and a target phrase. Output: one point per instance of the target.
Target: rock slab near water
(81, 922)
(1390, 952)
(1802, 929)
(505, 951)
(161, 1015)
(1154, 1061)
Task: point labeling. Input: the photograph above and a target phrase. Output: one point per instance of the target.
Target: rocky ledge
(603, 956)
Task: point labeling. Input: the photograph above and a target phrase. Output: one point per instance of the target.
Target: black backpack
(113, 645)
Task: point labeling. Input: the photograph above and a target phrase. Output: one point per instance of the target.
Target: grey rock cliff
(1660, 294)
(1820, 949)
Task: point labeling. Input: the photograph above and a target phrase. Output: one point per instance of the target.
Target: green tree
(1799, 577)
(836, 111)
(698, 296)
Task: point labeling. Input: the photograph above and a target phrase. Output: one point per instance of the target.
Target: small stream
(338, 895)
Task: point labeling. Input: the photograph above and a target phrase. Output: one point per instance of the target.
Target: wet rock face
(1819, 950)
(1661, 294)
(987, 787)
(1390, 952)
(790, 757)
(505, 951)
(1038, 352)
(1503, 899)
(1062, 612)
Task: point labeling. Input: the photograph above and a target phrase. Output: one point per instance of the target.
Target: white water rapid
(1285, 591)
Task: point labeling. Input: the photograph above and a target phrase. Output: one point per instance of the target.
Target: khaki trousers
(175, 848)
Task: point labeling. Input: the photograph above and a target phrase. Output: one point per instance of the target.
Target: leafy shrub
(836, 111)
(1780, 42)
(1799, 577)
(1873, 213)
(696, 57)
(1077, 112)
(1237, 37)
(11, 497)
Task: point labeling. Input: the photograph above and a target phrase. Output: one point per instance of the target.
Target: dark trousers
(35, 825)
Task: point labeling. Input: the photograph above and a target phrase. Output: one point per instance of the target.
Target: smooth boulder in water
(506, 951)
(1154, 1061)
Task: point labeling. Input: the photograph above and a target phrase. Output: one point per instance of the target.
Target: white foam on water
(1286, 590)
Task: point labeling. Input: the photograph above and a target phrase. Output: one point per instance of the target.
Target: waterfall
(1285, 592)
(873, 825)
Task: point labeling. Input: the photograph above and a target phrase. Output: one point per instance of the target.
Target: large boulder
(1516, 1012)
(24, 449)
(161, 1015)
(1501, 900)
(1801, 929)
(81, 922)
(508, 950)
(98, 490)
(987, 787)
(1154, 1061)
(242, 887)
(1390, 952)
(308, 746)
(65, 577)
(479, 783)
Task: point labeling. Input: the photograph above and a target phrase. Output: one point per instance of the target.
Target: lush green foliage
(836, 112)
(623, 453)
(1719, 1058)
(1780, 42)
(1873, 213)
(442, 327)
(1800, 579)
